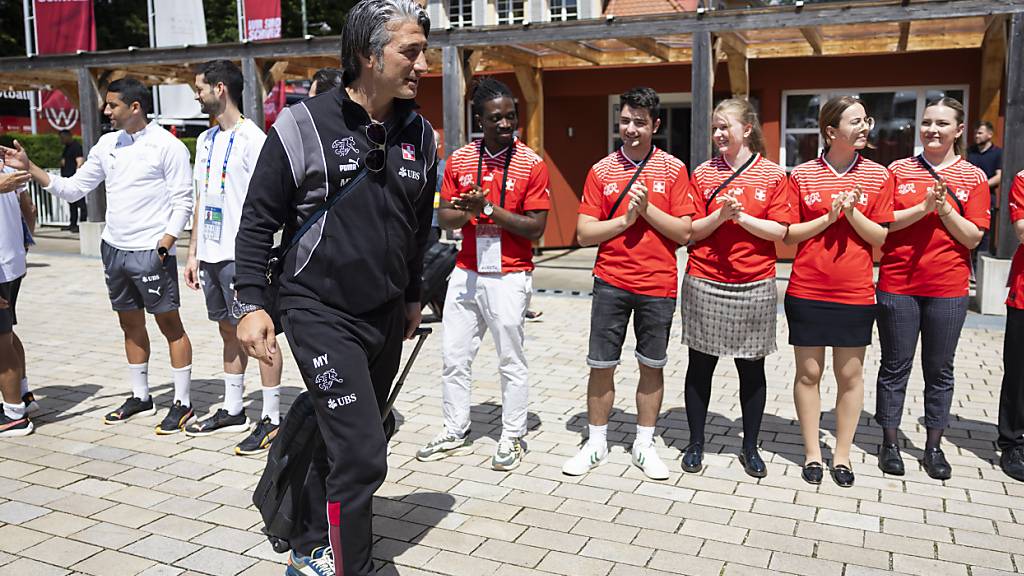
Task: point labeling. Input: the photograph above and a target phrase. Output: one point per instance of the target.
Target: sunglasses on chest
(376, 156)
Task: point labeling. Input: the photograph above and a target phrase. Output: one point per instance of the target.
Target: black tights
(753, 390)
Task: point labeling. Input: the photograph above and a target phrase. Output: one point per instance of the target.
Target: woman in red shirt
(942, 211)
(845, 201)
(729, 297)
(1011, 396)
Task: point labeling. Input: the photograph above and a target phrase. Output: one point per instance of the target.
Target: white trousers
(475, 303)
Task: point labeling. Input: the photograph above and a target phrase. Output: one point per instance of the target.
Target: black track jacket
(367, 251)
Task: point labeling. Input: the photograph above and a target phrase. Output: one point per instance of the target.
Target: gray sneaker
(509, 454)
(444, 445)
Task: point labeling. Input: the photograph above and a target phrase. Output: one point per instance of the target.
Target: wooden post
(252, 91)
(703, 80)
(1013, 149)
(993, 65)
(531, 82)
(453, 85)
(89, 104)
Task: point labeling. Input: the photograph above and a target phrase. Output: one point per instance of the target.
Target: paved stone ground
(79, 497)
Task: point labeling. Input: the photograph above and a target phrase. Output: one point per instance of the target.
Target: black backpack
(279, 489)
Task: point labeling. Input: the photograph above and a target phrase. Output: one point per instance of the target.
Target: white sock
(24, 386)
(272, 404)
(598, 436)
(234, 387)
(644, 435)
(14, 411)
(182, 384)
(139, 376)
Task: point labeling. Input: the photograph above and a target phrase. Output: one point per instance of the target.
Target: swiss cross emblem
(659, 187)
(510, 184)
(760, 195)
(961, 194)
(408, 152)
(610, 188)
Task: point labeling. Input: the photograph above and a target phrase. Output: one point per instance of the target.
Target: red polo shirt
(1016, 280)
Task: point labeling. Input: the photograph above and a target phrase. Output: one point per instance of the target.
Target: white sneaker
(588, 457)
(443, 445)
(646, 458)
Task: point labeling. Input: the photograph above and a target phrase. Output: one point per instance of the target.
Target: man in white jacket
(149, 199)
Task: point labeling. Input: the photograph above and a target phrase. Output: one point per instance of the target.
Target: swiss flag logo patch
(408, 152)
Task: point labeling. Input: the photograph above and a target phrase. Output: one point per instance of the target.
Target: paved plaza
(80, 497)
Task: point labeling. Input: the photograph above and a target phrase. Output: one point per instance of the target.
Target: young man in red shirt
(637, 206)
(496, 191)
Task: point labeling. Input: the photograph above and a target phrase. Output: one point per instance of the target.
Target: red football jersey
(731, 254)
(640, 260)
(1016, 279)
(836, 265)
(526, 188)
(924, 259)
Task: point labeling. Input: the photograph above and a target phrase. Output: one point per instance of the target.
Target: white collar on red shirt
(856, 160)
(630, 160)
(942, 166)
(499, 152)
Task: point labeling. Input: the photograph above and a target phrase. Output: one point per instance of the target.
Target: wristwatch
(162, 251)
(239, 309)
(488, 209)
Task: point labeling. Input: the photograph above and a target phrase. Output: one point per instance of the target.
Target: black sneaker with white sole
(263, 434)
(176, 419)
(221, 421)
(13, 427)
(132, 407)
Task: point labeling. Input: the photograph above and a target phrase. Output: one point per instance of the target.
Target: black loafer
(752, 463)
(936, 465)
(812, 472)
(693, 458)
(889, 459)
(842, 475)
(1012, 463)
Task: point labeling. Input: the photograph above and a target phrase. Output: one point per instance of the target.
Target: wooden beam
(901, 45)
(649, 46)
(813, 37)
(252, 92)
(739, 75)
(993, 66)
(1013, 147)
(577, 50)
(531, 82)
(275, 73)
(470, 59)
(89, 115)
(454, 97)
(733, 41)
(702, 81)
(514, 56)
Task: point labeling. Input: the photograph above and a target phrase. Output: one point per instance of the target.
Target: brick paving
(79, 497)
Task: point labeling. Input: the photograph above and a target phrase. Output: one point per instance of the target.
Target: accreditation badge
(488, 248)
(213, 217)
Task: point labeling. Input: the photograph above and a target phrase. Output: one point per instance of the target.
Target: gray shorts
(218, 282)
(610, 310)
(136, 279)
(8, 317)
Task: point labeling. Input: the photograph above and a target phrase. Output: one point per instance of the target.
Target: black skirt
(819, 323)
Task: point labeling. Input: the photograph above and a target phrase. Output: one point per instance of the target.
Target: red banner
(262, 19)
(62, 26)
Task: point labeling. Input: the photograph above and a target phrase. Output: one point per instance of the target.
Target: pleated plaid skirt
(736, 320)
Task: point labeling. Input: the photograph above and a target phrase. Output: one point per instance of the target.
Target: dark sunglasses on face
(377, 135)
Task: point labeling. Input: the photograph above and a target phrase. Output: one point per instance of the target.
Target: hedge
(45, 149)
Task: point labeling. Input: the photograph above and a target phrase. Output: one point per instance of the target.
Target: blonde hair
(956, 106)
(831, 114)
(742, 110)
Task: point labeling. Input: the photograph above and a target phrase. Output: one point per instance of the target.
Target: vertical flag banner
(176, 23)
(62, 26)
(262, 19)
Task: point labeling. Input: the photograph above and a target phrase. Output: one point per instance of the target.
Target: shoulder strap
(740, 170)
(343, 191)
(928, 167)
(629, 184)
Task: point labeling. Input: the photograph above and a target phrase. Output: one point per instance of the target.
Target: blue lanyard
(227, 156)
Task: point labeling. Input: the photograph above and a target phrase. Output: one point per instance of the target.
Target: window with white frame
(460, 13)
(511, 11)
(674, 134)
(564, 10)
(896, 112)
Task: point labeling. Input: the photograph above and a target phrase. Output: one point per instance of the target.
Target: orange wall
(578, 98)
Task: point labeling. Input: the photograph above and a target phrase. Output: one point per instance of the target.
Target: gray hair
(366, 31)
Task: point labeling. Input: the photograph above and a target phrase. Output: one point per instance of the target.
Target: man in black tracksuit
(350, 288)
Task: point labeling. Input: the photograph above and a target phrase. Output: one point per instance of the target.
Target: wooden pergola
(733, 35)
